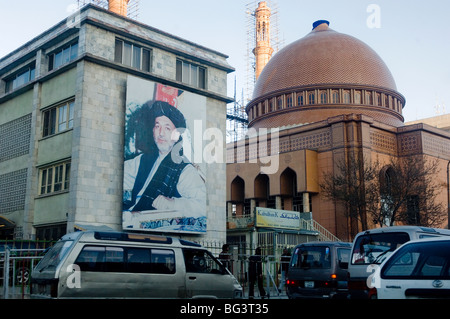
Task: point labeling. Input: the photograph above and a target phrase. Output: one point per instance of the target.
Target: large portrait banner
(163, 188)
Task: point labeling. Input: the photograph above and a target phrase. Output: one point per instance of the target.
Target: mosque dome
(324, 74)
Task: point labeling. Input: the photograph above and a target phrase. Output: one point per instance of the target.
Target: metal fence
(17, 260)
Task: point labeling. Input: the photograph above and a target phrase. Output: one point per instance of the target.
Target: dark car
(318, 270)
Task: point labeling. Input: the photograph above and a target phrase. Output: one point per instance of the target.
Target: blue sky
(412, 37)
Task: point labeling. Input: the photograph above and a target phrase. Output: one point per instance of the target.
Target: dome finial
(319, 22)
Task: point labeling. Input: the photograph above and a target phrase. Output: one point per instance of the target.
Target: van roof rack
(133, 237)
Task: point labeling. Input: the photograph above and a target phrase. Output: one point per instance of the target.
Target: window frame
(52, 120)
(54, 179)
(137, 52)
(200, 78)
(12, 82)
(67, 53)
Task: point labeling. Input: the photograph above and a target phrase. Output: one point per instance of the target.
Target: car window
(201, 261)
(428, 260)
(315, 257)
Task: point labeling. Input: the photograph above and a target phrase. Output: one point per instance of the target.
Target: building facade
(321, 99)
(63, 100)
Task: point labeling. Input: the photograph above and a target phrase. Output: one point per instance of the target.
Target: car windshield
(316, 257)
(54, 256)
(375, 248)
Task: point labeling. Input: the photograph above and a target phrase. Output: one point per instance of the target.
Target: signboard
(163, 189)
(275, 218)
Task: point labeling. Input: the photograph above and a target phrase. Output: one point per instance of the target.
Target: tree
(402, 192)
(355, 185)
(409, 193)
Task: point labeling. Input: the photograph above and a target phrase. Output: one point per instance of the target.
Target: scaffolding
(237, 119)
(132, 10)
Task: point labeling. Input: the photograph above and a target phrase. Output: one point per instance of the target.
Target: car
(419, 269)
(92, 264)
(318, 270)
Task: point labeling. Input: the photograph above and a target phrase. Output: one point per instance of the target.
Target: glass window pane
(136, 57)
(62, 118)
(146, 60)
(179, 70)
(194, 75)
(43, 181)
(127, 54)
(49, 179)
(202, 78)
(58, 60)
(71, 107)
(73, 51)
(186, 69)
(66, 55)
(118, 51)
(67, 177)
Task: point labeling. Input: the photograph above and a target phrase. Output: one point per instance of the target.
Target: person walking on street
(255, 274)
(284, 260)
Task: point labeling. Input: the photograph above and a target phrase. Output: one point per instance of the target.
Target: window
(357, 97)
(126, 259)
(63, 56)
(311, 98)
(300, 99)
(427, 260)
(335, 96)
(346, 97)
(201, 261)
(369, 98)
(132, 55)
(55, 178)
(191, 74)
(323, 97)
(58, 119)
(279, 103)
(289, 100)
(20, 78)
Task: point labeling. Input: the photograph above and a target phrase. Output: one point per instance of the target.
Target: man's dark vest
(164, 181)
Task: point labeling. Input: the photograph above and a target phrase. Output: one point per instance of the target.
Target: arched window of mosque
(335, 97)
(323, 97)
(379, 99)
(369, 98)
(357, 97)
(311, 98)
(271, 105)
(386, 101)
(300, 99)
(289, 100)
(279, 103)
(347, 97)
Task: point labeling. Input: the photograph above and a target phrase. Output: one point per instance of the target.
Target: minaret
(118, 6)
(263, 51)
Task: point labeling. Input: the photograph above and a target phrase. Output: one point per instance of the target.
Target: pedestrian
(284, 261)
(225, 256)
(255, 274)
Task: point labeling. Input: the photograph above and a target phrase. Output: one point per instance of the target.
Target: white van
(130, 265)
(372, 247)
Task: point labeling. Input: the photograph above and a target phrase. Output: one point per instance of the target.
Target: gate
(17, 260)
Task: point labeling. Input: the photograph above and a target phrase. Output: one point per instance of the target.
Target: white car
(418, 269)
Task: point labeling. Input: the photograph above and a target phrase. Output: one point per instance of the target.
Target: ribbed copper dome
(324, 56)
(322, 75)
